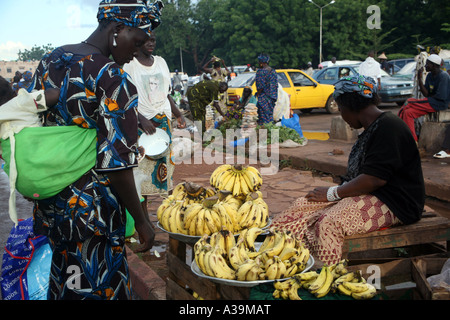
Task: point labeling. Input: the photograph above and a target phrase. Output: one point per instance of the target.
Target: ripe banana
(323, 291)
(243, 269)
(250, 237)
(293, 292)
(219, 266)
(190, 213)
(365, 295)
(320, 280)
(278, 245)
(357, 287)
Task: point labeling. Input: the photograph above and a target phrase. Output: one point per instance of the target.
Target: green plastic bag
(48, 159)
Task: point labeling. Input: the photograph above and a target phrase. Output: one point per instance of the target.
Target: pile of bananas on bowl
(335, 279)
(234, 203)
(223, 256)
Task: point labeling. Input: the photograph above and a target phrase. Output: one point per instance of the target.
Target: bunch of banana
(254, 212)
(238, 179)
(170, 215)
(228, 198)
(212, 262)
(358, 290)
(208, 217)
(288, 289)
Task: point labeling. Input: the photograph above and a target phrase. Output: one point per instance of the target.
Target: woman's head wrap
(134, 13)
(263, 58)
(365, 86)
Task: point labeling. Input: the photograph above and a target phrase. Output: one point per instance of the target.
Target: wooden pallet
(430, 229)
(182, 282)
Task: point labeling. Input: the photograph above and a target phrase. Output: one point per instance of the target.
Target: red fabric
(413, 109)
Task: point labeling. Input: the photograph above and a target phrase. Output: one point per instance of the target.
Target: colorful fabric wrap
(263, 58)
(134, 13)
(365, 86)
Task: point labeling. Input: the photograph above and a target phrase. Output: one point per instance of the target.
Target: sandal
(441, 155)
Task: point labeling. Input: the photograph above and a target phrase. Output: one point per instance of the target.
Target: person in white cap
(436, 92)
(309, 71)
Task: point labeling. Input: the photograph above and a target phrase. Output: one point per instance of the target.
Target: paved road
(319, 120)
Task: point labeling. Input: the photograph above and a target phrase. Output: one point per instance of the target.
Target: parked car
(400, 63)
(393, 89)
(304, 92)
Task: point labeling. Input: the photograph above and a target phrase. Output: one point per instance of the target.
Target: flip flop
(441, 155)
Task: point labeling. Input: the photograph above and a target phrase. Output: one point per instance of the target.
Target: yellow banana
(248, 180)
(248, 221)
(357, 287)
(288, 252)
(190, 213)
(243, 211)
(203, 241)
(365, 295)
(307, 276)
(225, 219)
(220, 266)
(320, 280)
(216, 219)
(278, 245)
(257, 176)
(232, 213)
(281, 268)
(164, 205)
(271, 270)
(223, 180)
(199, 223)
(200, 259)
(179, 191)
(229, 240)
(215, 176)
(250, 237)
(235, 258)
(323, 291)
(209, 221)
(291, 270)
(243, 185)
(236, 188)
(208, 251)
(268, 242)
(243, 253)
(343, 290)
(293, 292)
(243, 269)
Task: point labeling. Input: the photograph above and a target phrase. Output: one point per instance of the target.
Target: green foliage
(35, 53)
(238, 31)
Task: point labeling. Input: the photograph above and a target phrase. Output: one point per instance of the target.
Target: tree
(35, 53)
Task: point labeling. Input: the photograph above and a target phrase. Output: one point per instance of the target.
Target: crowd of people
(133, 95)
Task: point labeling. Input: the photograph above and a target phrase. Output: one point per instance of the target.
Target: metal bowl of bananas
(243, 262)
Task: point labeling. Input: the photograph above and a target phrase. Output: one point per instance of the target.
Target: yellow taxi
(304, 92)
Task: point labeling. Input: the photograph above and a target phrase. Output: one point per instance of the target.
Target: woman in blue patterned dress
(85, 223)
(267, 90)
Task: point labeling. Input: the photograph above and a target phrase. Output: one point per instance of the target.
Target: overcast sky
(27, 23)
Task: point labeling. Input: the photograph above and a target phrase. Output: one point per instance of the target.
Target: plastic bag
(441, 280)
(293, 123)
(26, 264)
(282, 106)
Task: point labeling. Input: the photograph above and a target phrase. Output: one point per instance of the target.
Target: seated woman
(384, 183)
(247, 97)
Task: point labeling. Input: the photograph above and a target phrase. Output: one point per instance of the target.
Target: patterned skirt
(322, 226)
(156, 176)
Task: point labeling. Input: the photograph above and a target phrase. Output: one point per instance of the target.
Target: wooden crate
(431, 229)
(182, 282)
(421, 269)
(405, 279)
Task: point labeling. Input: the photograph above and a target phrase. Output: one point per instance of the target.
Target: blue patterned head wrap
(263, 58)
(134, 13)
(365, 86)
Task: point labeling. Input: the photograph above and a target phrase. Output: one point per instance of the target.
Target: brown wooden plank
(182, 274)
(424, 224)
(176, 292)
(418, 271)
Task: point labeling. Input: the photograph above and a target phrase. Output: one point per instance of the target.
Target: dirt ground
(279, 191)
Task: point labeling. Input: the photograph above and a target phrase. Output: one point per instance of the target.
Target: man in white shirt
(371, 68)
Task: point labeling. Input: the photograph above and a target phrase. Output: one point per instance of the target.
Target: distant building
(8, 68)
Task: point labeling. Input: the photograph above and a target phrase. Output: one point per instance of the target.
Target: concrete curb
(146, 284)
